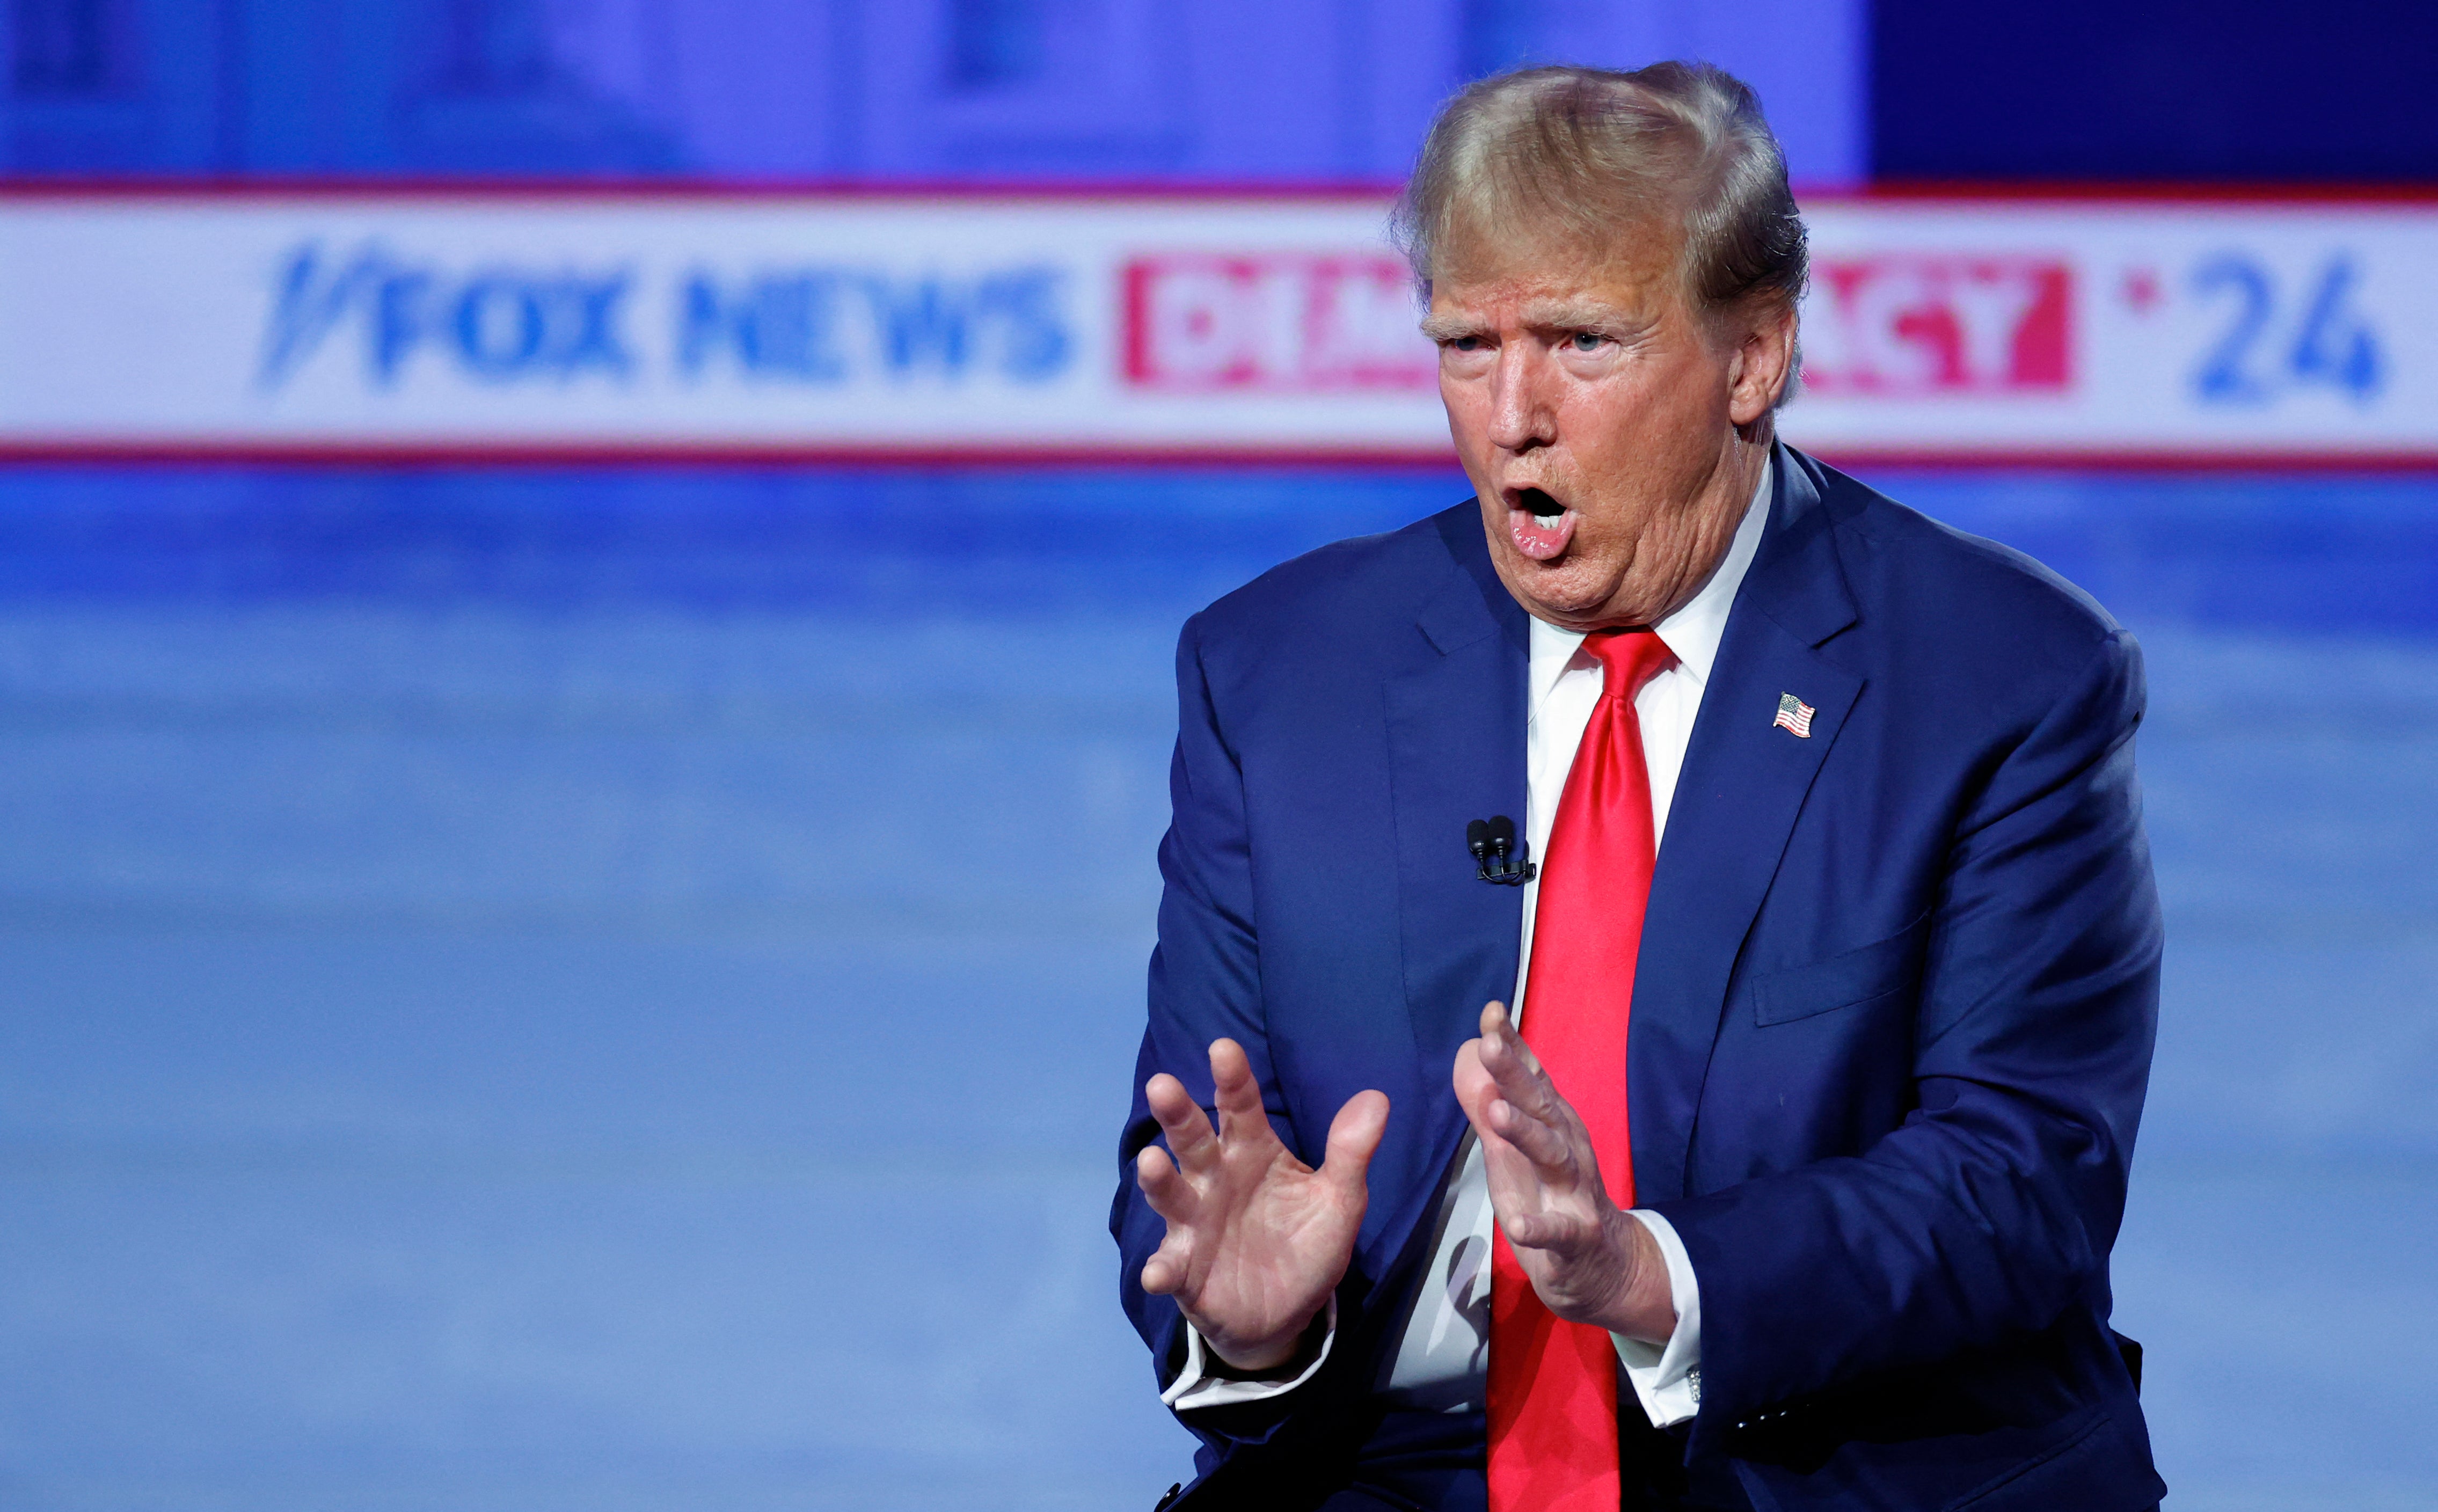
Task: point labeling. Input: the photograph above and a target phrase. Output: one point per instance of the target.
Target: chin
(1563, 590)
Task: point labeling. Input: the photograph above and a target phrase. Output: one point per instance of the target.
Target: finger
(1474, 1086)
(1564, 1233)
(1171, 1195)
(1515, 1183)
(1354, 1137)
(1181, 1119)
(1521, 1081)
(1503, 1046)
(1547, 1149)
(1477, 1093)
(1499, 1027)
(1241, 1119)
(1164, 1273)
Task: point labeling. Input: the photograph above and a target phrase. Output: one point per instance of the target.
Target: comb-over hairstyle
(1585, 157)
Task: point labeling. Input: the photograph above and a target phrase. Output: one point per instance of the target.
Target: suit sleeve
(1205, 984)
(1991, 1209)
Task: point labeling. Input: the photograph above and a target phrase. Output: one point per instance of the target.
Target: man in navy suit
(1829, 922)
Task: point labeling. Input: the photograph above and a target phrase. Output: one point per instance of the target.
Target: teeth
(1544, 509)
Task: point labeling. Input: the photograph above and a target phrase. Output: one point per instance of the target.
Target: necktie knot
(1629, 658)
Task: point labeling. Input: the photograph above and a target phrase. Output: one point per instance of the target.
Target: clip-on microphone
(1501, 856)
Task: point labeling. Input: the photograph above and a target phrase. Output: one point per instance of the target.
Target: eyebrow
(1539, 315)
(1451, 327)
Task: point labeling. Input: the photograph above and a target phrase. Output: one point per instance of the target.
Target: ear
(1764, 360)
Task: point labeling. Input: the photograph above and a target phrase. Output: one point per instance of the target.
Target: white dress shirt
(1443, 1360)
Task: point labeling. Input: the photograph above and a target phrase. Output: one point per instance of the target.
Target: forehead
(1631, 267)
(1563, 293)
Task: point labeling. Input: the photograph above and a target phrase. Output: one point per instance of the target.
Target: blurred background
(553, 982)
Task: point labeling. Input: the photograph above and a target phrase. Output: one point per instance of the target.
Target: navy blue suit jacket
(1893, 1016)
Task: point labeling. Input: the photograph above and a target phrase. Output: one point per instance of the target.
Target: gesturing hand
(1257, 1240)
(1589, 1261)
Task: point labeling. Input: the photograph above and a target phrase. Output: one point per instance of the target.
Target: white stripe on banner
(651, 324)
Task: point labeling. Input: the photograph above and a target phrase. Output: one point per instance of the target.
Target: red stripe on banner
(424, 189)
(2068, 191)
(460, 454)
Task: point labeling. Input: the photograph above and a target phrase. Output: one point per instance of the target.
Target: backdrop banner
(633, 324)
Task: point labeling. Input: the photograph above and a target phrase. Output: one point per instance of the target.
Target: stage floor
(582, 990)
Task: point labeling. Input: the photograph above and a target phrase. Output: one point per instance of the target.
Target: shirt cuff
(1193, 1388)
(1668, 1378)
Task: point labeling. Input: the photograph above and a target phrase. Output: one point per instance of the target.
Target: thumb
(1353, 1136)
(1474, 1086)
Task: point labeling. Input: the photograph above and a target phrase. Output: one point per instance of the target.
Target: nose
(1521, 414)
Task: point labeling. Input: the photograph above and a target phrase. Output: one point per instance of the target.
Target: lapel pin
(1794, 715)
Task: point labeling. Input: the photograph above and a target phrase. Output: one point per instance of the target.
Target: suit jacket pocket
(1878, 970)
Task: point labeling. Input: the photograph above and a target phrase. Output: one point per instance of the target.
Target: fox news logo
(817, 324)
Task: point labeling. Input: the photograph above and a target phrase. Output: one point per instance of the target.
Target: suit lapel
(1456, 753)
(1741, 787)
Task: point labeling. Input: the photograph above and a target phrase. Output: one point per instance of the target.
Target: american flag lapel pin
(1794, 715)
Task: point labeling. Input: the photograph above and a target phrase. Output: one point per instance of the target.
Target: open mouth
(1539, 524)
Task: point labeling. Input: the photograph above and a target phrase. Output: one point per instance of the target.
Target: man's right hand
(1257, 1240)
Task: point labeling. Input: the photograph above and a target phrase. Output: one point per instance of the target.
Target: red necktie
(1553, 1383)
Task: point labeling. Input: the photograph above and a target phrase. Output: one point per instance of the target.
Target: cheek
(1616, 421)
(1467, 399)
(1468, 414)
(1634, 424)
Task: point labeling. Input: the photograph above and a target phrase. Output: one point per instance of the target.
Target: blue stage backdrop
(1174, 91)
(614, 989)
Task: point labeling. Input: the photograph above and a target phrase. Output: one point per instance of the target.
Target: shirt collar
(1694, 630)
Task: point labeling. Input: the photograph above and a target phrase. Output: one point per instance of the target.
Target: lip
(1539, 537)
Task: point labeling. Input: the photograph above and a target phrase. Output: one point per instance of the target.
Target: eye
(1463, 343)
(1586, 341)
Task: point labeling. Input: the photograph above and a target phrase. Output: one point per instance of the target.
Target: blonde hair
(1585, 156)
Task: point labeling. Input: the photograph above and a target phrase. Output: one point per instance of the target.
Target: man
(1797, 1185)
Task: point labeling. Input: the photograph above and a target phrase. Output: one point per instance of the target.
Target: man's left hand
(1587, 1258)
